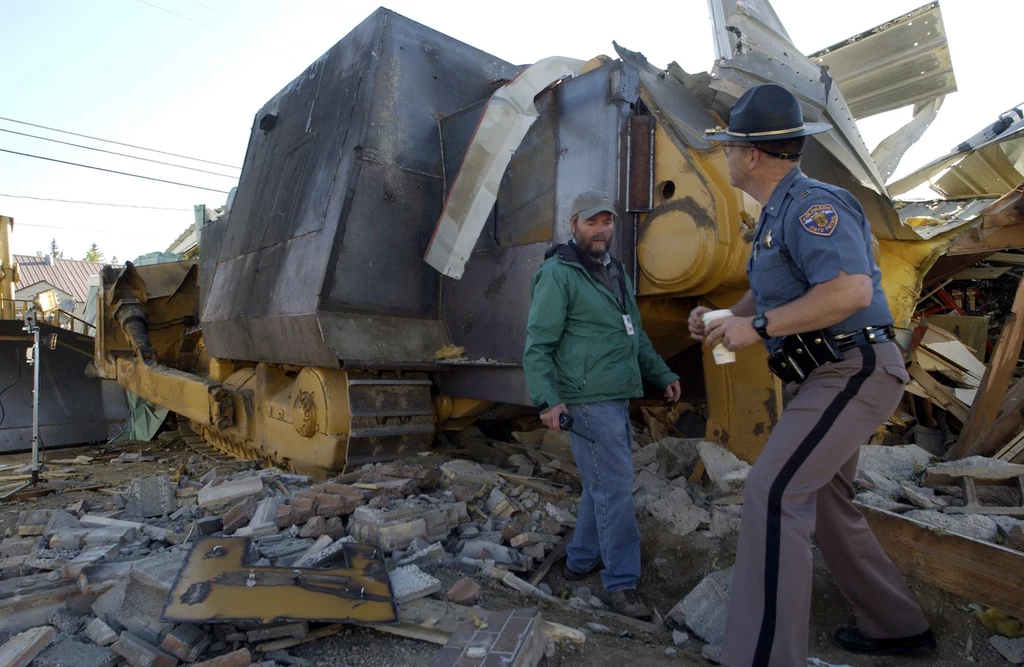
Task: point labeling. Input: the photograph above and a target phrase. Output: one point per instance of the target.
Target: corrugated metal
(901, 62)
(68, 275)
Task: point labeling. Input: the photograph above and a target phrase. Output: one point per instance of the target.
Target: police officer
(815, 300)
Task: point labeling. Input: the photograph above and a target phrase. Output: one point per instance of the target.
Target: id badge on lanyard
(629, 324)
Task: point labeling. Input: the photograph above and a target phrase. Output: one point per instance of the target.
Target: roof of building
(68, 275)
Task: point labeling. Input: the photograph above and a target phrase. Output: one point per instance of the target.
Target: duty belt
(802, 353)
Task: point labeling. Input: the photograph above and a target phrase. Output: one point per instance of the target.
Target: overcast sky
(187, 77)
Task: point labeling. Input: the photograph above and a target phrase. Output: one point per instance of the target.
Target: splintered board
(216, 585)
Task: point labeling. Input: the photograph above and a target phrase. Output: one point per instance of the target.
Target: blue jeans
(606, 529)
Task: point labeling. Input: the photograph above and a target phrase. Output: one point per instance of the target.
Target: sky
(188, 76)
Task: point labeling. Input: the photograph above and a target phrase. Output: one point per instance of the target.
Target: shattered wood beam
(994, 384)
(979, 571)
(1001, 227)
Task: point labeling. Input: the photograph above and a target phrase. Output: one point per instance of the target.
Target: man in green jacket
(585, 356)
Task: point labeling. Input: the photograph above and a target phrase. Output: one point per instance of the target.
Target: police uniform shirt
(807, 234)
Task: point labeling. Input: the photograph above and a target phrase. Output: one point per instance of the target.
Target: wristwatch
(760, 324)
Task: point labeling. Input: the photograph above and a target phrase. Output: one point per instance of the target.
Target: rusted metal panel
(217, 584)
(640, 165)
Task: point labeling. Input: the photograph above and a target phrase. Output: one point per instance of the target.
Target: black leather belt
(866, 336)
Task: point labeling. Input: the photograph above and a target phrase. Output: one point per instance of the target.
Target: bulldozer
(370, 282)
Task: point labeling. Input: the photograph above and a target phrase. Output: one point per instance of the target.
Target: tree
(94, 254)
(55, 250)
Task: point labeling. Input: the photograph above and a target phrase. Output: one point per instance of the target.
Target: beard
(596, 250)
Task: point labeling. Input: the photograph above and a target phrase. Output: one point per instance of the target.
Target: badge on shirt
(820, 219)
(629, 324)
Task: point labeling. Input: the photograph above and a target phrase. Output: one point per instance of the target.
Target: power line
(95, 203)
(216, 11)
(192, 20)
(112, 171)
(118, 143)
(89, 229)
(133, 157)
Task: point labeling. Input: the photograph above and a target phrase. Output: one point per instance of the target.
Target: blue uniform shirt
(807, 234)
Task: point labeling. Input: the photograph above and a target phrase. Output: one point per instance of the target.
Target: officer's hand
(732, 332)
(695, 322)
(673, 392)
(550, 416)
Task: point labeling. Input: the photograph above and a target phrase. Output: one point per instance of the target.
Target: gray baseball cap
(590, 203)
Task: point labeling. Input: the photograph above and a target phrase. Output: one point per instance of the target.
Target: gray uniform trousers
(802, 484)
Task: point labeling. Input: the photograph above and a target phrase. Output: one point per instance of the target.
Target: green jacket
(577, 346)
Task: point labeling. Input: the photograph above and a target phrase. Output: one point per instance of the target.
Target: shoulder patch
(820, 219)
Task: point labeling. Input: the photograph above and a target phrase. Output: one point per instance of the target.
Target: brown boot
(628, 603)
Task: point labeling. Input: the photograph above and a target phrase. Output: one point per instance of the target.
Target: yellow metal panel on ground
(216, 585)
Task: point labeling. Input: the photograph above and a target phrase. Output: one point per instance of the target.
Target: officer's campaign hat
(591, 202)
(767, 112)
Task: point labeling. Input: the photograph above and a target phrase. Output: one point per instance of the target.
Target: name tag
(629, 324)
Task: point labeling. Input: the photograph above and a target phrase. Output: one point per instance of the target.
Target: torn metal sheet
(890, 151)
(721, 10)
(505, 121)
(987, 165)
(217, 585)
(901, 62)
(931, 218)
(765, 56)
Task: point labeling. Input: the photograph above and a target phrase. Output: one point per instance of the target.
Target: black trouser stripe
(773, 537)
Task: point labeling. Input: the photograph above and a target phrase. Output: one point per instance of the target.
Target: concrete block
(230, 492)
(72, 539)
(410, 583)
(266, 511)
(66, 622)
(150, 497)
(335, 528)
(152, 532)
(186, 642)
(484, 550)
(681, 519)
(470, 473)
(284, 548)
(100, 633)
(704, 609)
(109, 535)
(322, 542)
(312, 559)
(239, 658)
(395, 489)
(71, 653)
(432, 555)
(1011, 649)
(61, 520)
(898, 463)
(21, 546)
(560, 515)
(283, 518)
(726, 471)
(648, 484)
(135, 605)
(396, 526)
(302, 509)
(140, 653)
(22, 649)
(32, 522)
(209, 525)
(537, 551)
(526, 539)
(239, 515)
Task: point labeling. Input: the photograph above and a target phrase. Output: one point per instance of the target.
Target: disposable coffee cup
(721, 353)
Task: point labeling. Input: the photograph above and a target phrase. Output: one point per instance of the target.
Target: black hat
(767, 112)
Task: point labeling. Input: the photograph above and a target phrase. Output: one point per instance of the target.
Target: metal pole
(35, 407)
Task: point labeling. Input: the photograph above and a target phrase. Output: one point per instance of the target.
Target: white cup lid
(716, 314)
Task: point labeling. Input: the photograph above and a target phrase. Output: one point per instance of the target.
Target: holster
(801, 353)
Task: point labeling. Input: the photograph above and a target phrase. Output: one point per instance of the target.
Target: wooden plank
(979, 571)
(930, 361)
(945, 344)
(935, 476)
(1006, 258)
(22, 649)
(1012, 448)
(994, 384)
(556, 555)
(971, 330)
(980, 273)
(938, 392)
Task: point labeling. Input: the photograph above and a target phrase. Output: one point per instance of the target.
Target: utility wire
(113, 171)
(192, 20)
(216, 11)
(90, 229)
(118, 143)
(94, 203)
(133, 157)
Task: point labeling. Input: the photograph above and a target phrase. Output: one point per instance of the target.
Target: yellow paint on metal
(454, 408)
(8, 270)
(697, 238)
(215, 584)
(904, 265)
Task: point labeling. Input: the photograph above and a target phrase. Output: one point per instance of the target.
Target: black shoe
(851, 639)
(628, 603)
(573, 575)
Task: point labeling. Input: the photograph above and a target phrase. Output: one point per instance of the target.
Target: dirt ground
(671, 567)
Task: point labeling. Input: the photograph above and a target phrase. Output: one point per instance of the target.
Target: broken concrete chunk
(726, 471)
(314, 528)
(66, 622)
(322, 542)
(239, 515)
(140, 653)
(560, 515)
(150, 497)
(704, 609)
(471, 473)
(335, 528)
(69, 538)
(872, 499)
(978, 526)
(484, 550)
(681, 519)
(23, 648)
(71, 653)
(464, 591)
(410, 582)
(898, 463)
(723, 524)
(396, 526)
(500, 505)
(24, 546)
(230, 492)
(61, 520)
(1011, 649)
(1015, 538)
(32, 523)
(186, 642)
(922, 497)
(100, 633)
(526, 539)
(649, 484)
(872, 480)
(432, 555)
